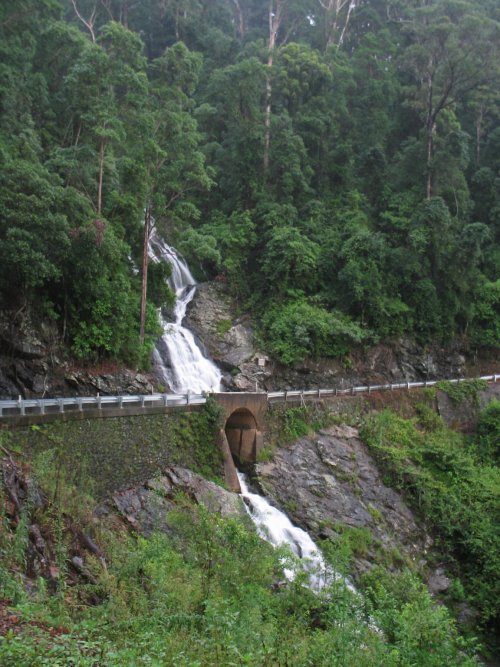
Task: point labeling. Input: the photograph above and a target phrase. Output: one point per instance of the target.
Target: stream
(181, 364)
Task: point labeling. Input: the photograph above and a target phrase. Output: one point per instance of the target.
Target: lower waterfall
(275, 527)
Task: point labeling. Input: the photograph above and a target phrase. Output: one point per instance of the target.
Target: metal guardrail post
(165, 400)
(99, 405)
(120, 402)
(41, 405)
(79, 402)
(61, 405)
(143, 398)
(21, 405)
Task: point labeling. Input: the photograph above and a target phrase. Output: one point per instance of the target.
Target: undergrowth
(467, 390)
(455, 488)
(209, 596)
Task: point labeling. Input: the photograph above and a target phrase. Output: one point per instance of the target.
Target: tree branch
(88, 24)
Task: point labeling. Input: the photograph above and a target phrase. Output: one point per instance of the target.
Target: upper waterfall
(177, 358)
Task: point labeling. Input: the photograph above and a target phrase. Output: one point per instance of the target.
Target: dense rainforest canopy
(336, 162)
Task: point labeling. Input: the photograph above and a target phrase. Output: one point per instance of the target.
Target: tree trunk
(267, 119)
(239, 17)
(479, 135)
(88, 23)
(352, 6)
(430, 150)
(275, 17)
(430, 127)
(145, 262)
(101, 174)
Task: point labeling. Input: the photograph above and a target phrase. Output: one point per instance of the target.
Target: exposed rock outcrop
(226, 336)
(34, 363)
(463, 415)
(399, 360)
(146, 507)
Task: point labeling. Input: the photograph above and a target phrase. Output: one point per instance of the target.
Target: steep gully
(180, 363)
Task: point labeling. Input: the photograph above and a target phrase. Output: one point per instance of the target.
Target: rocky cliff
(229, 338)
(35, 363)
(330, 485)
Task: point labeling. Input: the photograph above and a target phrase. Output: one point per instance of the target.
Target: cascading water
(275, 527)
(178, 360)
(180, 363)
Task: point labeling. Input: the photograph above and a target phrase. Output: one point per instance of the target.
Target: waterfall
(275, 527)
(178, 360)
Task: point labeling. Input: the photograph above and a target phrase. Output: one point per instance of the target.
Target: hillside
(171, 571)
(334, 164)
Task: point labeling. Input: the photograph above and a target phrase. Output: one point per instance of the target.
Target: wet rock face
(226, 336)
(330, 481)
(146, 507)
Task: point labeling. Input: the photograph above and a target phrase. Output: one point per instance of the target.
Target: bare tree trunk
(267, 118)
(479, 134)
(88, 23)
(275, 18)
(240, 18)
(177, 23)
(145, 262)
(352, 6)
(430, 127)
(78, 132)
(430, 151)
(333, 9)
(101, 174)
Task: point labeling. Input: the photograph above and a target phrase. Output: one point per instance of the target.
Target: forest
(336, 163)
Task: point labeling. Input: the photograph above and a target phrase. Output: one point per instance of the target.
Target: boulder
(146, 507)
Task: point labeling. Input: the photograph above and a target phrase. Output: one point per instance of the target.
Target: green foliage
(222, 327)
(466, 390)
(487, 439)
(294, 423)
(388, 220)
(206, 595)
(301, 329)
(456, 492)
(421, 632)
(486, 331)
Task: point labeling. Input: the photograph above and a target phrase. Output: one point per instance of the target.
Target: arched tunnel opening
(241, 433)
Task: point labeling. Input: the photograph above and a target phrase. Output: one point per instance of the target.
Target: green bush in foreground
(209, 596)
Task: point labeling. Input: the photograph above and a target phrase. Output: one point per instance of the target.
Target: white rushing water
(275, 527)
(178, 360)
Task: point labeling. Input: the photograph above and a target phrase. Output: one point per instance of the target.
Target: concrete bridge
(240, 437)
